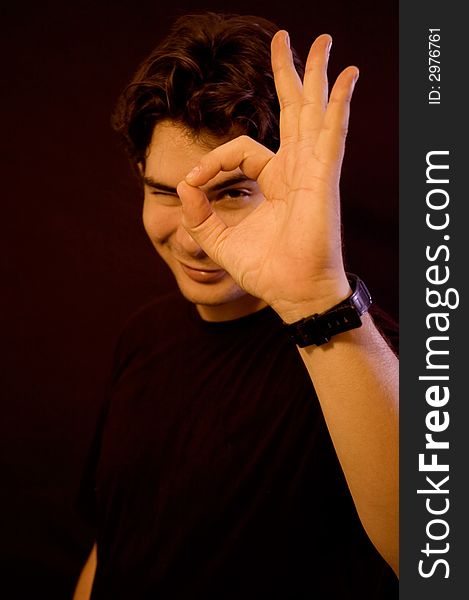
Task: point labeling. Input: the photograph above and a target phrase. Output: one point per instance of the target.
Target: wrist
(321, 297)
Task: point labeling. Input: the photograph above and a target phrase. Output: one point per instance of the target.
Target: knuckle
(287, 103)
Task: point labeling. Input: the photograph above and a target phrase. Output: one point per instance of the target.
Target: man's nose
(188, 244)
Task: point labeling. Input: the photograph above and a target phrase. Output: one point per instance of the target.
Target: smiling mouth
(203, 275)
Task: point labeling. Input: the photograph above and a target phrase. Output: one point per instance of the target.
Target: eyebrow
(162, 187)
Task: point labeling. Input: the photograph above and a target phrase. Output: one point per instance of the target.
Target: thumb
(200, 221)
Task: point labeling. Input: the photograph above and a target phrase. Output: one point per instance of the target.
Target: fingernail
(287, 39)
(193, 174)
(329, 47)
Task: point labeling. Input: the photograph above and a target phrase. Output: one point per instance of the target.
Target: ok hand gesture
(288, 250)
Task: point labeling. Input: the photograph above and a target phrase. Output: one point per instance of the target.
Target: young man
(242, 456)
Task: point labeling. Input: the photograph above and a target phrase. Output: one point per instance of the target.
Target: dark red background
(75, 260)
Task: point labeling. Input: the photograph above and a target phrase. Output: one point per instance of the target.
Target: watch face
(361, 298)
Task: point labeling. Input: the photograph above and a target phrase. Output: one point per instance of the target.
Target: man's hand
(288, 250)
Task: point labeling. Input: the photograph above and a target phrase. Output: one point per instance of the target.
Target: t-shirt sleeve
(85, 503)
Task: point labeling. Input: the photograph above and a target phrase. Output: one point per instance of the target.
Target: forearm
(85, 581)
(356, 380)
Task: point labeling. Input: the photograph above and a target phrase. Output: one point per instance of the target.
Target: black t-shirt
(216, 475)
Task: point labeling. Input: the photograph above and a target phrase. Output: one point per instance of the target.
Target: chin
(223, 292)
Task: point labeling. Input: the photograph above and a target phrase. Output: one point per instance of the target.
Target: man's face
(172, 153)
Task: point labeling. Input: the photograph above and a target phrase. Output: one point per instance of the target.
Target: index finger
(243, 152)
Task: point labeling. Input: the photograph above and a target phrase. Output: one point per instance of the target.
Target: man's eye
(234, 194)
(166, 199)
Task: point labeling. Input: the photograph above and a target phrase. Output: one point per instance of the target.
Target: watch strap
(319, 328)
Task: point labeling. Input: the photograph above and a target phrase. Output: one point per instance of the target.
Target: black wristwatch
(319, 328)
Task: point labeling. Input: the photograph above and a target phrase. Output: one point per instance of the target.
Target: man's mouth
(201, 274)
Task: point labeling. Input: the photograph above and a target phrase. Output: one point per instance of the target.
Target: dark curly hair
(212, 74)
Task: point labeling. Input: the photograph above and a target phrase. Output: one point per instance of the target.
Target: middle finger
(315, 89)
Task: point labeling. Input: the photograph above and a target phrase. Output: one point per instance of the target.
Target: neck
(231, 310)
